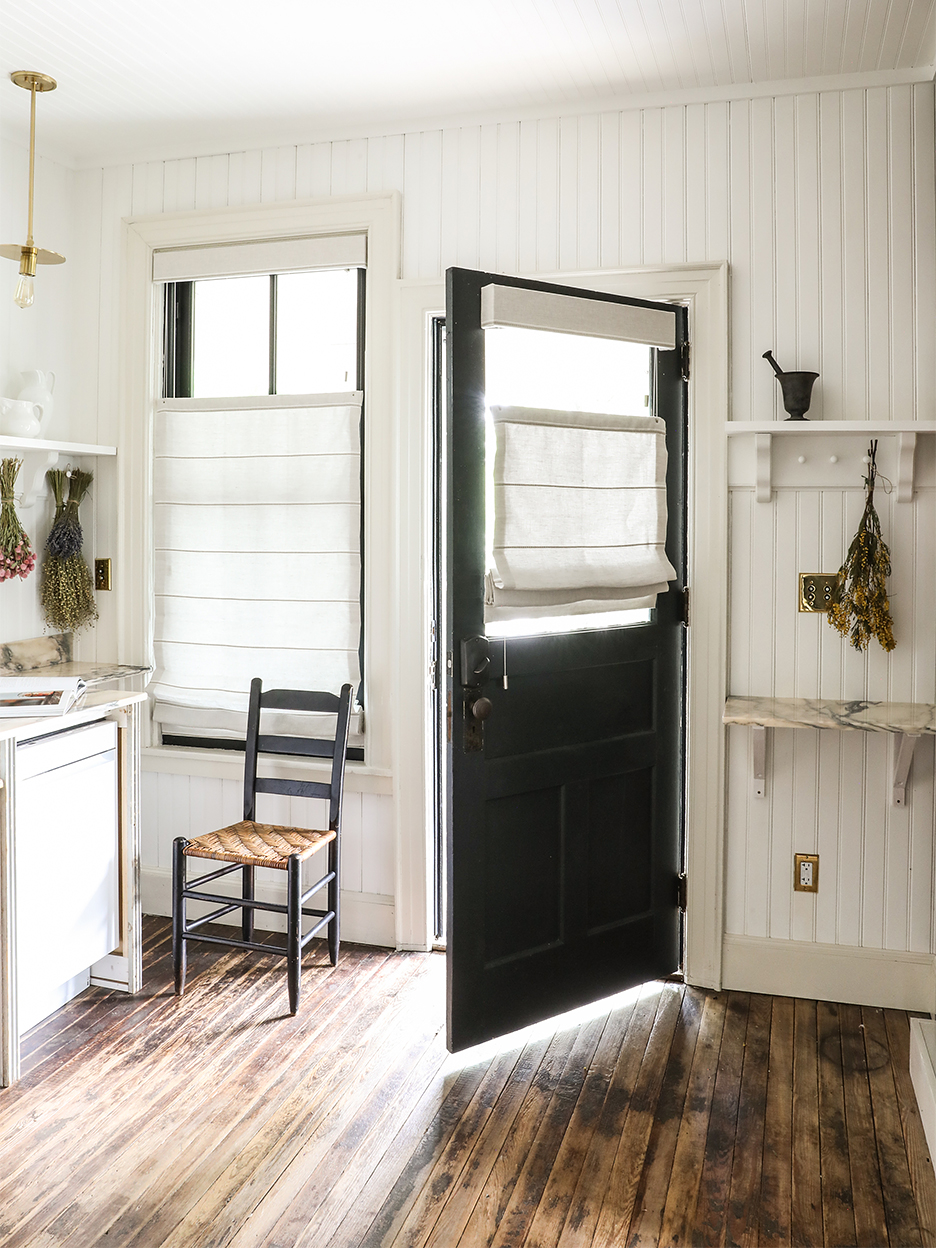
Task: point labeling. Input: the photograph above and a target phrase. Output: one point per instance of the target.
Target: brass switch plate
(102, 574)
(817, 590)
(806, 873)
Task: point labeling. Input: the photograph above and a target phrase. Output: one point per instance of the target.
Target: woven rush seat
(258, 844)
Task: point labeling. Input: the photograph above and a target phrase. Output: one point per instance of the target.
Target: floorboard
(678, 1117)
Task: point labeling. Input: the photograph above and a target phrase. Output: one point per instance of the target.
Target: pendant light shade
(28, 254)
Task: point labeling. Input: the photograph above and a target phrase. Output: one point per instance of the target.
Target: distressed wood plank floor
(682, 1117)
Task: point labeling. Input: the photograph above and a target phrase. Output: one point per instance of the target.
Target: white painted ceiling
(183, 77)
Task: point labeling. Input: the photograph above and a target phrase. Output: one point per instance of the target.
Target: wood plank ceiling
(177, 78)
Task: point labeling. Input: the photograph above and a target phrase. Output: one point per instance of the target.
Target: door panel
(564, 802)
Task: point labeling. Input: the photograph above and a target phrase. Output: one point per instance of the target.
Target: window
(257, 485)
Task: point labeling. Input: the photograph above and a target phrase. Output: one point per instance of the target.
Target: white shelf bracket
(762, 449)
(906, 463)
(759, 754)
(44, 460)
(903, 757)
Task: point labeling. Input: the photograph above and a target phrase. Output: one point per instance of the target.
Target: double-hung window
(257, 479)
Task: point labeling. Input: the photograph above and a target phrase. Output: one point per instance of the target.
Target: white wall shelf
(41, 454)
(764, 431)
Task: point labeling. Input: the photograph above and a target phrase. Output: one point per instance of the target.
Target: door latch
(475, 661)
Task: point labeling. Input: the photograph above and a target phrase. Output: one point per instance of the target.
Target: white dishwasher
(66, 864)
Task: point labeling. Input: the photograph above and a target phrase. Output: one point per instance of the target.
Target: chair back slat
(307, 747)
(300, 700)
(293, 788)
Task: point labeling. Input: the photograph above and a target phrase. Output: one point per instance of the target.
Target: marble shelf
(907, 721)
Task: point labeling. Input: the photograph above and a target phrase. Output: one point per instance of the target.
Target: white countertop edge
(93, 706)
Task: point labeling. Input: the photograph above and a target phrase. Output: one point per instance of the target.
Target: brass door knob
(481, 708)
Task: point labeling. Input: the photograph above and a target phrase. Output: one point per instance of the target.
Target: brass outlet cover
(817, 590)
(811, 862)
(102, 574)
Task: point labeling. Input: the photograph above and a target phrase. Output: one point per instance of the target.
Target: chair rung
(314, 931)
(319, 884)
(237, 944)
(214, 875)
(246, 903)
(209, 918)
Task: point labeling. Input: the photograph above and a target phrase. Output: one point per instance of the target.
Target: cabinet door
(67, 879)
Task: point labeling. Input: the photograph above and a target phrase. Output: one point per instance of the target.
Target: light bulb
(25, 291)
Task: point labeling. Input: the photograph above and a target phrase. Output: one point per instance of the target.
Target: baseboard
(366, 918)
(799, 968)
(923, 1075)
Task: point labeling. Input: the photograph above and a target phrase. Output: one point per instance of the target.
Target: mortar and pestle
(796, 387)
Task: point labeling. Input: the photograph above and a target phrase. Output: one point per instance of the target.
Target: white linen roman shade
(257, 556)
(579, 513)
(279, 255)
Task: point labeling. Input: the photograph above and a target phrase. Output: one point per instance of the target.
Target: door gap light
(28, 254)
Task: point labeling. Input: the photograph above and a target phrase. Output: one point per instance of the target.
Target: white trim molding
(888, 978)
(704, 289)
(377, 216)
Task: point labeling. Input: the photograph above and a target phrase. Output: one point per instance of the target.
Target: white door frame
(704, 289)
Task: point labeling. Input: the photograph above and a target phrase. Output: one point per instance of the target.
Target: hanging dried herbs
(861, 610)
(16, 554)
(67, 588)
(65, 536)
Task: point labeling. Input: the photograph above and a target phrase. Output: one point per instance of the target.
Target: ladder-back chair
(249, 844)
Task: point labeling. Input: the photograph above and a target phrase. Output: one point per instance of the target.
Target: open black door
(565, 781)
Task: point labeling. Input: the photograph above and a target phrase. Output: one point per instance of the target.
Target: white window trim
(379, 217)
(704, 288)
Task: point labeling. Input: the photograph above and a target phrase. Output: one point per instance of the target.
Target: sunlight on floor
(483, 1053)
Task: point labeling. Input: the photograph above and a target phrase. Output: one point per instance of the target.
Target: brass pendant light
(28, 254)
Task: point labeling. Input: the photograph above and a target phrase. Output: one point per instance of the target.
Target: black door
(564, 803)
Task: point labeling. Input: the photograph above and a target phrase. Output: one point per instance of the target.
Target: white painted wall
(824, 206)
(38, 337)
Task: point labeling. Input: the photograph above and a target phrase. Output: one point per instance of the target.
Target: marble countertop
(913, 718)
(91, 673)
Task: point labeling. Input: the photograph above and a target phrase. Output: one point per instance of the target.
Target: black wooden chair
(249, 844)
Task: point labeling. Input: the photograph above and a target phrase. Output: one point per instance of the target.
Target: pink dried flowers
(16, 554)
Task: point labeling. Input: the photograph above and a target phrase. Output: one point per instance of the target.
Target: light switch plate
(102, 574)
(817, 590)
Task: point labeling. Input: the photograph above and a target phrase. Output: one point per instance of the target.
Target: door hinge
(685, 606)
(682, 891)
(685, 352)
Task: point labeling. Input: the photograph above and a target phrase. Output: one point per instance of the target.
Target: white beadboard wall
(823, 204)
(37, 337)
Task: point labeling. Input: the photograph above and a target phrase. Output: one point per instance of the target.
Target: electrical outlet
(806, 873)
(102, 574)
(817, 590)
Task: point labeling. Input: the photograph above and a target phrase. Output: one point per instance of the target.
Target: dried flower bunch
(67, 589)
(16, 554)
(861, 610)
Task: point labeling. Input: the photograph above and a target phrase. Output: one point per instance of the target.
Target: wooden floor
(682, 1117)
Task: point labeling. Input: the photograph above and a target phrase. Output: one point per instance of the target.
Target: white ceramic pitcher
(37, 388)
(19, 418)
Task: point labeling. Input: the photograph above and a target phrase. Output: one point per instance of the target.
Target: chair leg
(334, 902)
(247, 913)
(178, 913)
(294, 929)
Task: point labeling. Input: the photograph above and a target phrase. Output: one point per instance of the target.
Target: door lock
(475, 661)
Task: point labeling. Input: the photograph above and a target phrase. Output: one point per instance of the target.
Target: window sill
(219, 765)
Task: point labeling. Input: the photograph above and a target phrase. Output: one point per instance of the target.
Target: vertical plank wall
(36, 337)
(824, 206)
